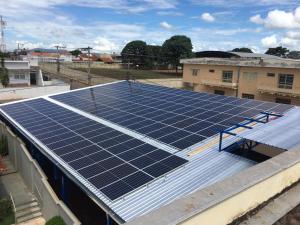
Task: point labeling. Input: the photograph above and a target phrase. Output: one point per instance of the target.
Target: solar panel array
(175, 117)
(115, 163)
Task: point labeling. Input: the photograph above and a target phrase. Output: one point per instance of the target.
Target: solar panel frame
(68, 144)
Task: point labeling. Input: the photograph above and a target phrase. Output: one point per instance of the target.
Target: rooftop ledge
(231, 197)
(219, 84)
(279, 91)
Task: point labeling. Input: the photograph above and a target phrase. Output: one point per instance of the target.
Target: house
(23, 73)
(49, 55)
(18, 72)
(245, 75)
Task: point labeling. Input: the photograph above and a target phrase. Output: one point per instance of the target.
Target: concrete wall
(94, 65)
(31, 92)
(245, 85)
(36, 180)
(223, 202)
(16, 82)
(170, 82)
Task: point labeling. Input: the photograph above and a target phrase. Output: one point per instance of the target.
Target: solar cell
(109, 159)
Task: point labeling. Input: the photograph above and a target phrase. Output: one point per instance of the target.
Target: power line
(58, 56)
(88, 49)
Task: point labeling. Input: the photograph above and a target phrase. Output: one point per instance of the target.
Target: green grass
(56, 221)
(120, 74)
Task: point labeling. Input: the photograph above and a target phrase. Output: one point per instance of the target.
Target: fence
(35, 179)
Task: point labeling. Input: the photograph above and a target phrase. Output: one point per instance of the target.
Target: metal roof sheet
(283, 132)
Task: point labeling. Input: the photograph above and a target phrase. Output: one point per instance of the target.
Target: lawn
(120, 74)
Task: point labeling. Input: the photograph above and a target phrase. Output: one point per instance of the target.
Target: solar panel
(114, 162)
(178, 118)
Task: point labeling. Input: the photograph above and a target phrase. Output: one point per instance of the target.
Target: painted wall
(13, 81)
(251, 80)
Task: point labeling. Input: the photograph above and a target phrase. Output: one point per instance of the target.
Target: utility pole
(2, 42)
(88, 49)
(58, 56)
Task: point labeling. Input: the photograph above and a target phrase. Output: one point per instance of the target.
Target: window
(283, 101)
(219, 92)
(248, 96)
(211, 71)
(286, 81)
(249, 76)
(19, 76)
(227, 76)
(271, 74)
(195, 72)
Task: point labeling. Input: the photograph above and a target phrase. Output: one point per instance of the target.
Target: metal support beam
(108, 220)
(64, 189)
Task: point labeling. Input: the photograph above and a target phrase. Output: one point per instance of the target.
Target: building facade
(245, 75)
(18, 72)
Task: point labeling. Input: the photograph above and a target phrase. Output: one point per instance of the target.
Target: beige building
(245, 75)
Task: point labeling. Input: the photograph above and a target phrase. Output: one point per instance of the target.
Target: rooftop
(241, 59)
(168, 135)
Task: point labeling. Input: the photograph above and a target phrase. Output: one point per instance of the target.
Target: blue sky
(107, 25)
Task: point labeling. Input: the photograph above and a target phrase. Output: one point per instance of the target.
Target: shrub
(56, 221)
(5, 208)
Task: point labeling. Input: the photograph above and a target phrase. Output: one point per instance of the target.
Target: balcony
(218, 83)
(295, 92)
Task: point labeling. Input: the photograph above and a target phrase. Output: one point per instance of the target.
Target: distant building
(245, 75)
(49, 55)
(96, 57)
(23, 73)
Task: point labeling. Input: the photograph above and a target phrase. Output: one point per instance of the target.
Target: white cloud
(104, 45)
(269, 42)
(289, 42)
(207, 17)
(257, 19)
(245, 3)
(279, 19)
(166, 25)
(169, 13)
(293, 35)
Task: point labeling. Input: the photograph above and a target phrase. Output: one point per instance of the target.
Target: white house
(19, 73)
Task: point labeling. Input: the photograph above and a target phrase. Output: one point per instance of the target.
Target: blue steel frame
(264, 118)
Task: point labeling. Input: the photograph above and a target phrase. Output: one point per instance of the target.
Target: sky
(107, 25)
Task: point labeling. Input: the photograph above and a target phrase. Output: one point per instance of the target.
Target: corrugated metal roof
(255, 55)
(283, 132)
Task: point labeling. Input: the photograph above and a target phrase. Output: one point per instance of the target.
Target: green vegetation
(121, 74)
(278, 51)
(243, 49)
(139, 54)
(56, 221)
(3, 146)
(4, 78)
(6, 212)
(176, 48)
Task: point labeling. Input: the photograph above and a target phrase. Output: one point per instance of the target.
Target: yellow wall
(245, 85)
(230, 209)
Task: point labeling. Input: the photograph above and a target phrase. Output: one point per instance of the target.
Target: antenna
(2, 42)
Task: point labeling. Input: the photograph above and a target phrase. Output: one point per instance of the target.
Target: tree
(243, 49)
(76, 52)
(154, 55)
(278, 51)
(135, 53)
(175, 48)
(294, 55)
(4, 78)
